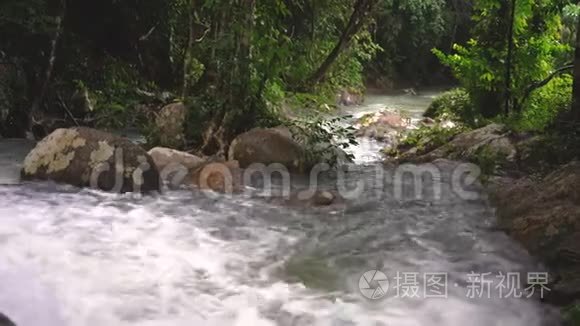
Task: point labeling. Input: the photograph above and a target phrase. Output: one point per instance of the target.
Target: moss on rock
(85, 157)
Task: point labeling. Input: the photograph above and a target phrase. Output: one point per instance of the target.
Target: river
(73, 257)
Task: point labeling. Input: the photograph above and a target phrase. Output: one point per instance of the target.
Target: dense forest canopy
(238, 62)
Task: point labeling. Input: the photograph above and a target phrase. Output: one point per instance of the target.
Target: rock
(170, 125)
(164, 157)
(268, 146)
(308, 199)
(85, 157)
(175, 167)
(323, 198)
(428, 122)
(545, 217)
(492, 141)
(4, 321)
(221, 177)
(385, 126)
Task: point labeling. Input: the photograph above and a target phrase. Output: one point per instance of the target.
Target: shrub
(324, 139)
(455, 105)
(428, 138)
(572, 315)
(545, 105)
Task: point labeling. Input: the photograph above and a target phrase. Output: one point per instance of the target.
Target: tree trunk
(509, 59)
(245, 46)
(34, 110)
(362, 10)
(187, 57)
(234, 78)
(576, 91)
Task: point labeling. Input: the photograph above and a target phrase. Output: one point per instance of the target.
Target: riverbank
(531, 180)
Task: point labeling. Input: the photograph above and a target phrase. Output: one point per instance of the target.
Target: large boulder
(170, 125)
(85, 157)
(492, 143)
(268, 146)
(544, 216)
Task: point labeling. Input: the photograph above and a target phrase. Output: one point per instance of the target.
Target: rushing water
(82, 257)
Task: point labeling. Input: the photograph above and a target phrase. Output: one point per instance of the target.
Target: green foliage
(324, 139)
(480, 65)
(545, 105)
(407, 31)
(455, 105)
(428, 138)
(489, 161)
(199, 112)
(236, 63)
(117, 98)
(25, 17)
(348, 71)
(570, 15)
(572, 315)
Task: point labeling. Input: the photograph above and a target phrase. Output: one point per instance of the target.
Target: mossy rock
(85, 157)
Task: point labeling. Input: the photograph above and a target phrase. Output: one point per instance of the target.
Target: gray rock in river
(85, 157)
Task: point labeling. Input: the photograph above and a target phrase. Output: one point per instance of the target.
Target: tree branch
(542, 83)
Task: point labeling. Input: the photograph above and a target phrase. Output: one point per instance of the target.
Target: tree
(360, 15)
(496, 72)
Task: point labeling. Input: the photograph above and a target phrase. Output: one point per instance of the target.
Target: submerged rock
(268, 146)
(323, 198)
(85, 157)
(545, 217)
